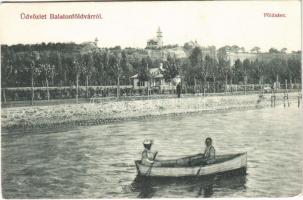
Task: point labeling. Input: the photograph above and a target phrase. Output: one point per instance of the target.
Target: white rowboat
(191, 166)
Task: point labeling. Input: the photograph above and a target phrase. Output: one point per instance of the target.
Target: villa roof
(154, 72)
(134, 76)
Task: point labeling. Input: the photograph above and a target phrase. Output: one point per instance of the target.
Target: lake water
(98, 161)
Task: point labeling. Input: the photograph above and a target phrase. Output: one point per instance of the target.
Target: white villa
(157, 80)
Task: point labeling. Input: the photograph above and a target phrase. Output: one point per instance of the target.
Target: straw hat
(148, 142)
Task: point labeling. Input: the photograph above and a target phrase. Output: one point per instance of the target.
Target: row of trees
(69, 64)
(199, 69)
(256, 49)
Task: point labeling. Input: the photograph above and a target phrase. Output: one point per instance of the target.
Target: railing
(128, 92)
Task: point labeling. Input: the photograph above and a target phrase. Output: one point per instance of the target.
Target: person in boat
(209, 155)
(148, 156)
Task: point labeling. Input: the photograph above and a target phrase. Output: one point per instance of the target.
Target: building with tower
(157, 42)
(96, 41)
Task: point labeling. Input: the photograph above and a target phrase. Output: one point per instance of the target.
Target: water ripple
(98, 161)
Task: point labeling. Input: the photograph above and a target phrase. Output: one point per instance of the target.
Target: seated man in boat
(209, 155)
(148, 156)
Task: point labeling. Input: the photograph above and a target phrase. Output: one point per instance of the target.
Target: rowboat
(190, 166)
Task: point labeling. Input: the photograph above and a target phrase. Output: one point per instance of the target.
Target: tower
(159, 37)
(96, 41)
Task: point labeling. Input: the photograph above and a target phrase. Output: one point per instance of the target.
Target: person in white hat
(147, 155)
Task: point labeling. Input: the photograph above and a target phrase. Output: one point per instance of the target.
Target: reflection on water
(196, 186)
(205, 186)
(98, 161)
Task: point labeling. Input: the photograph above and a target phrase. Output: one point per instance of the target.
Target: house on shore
(157, 80)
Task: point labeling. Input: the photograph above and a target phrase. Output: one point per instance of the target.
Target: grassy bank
(104, 112)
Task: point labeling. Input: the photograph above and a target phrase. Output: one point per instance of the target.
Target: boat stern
(244, 160)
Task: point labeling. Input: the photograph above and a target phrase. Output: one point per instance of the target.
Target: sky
(131, 24)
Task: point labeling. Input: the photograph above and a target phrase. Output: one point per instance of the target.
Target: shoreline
(83, 123)
(87, 114)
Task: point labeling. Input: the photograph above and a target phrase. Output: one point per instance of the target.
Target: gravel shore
(106, 112)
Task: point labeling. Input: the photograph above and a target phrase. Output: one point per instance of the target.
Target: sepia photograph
(151, 99)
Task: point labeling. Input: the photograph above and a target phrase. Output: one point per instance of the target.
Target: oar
(150, 167)
(200, 167)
